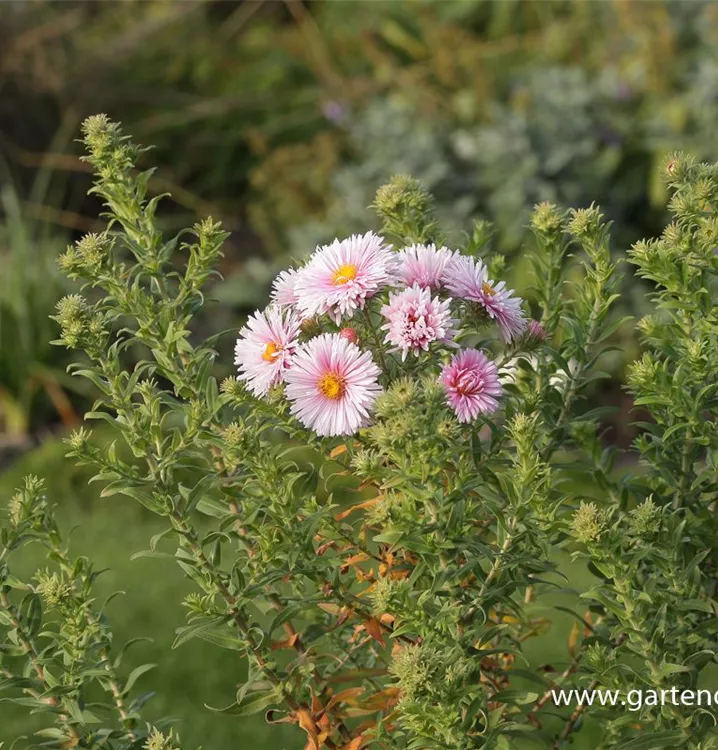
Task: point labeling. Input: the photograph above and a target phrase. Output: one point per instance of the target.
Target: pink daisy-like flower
(283, 293)
(340, 277)
(423, 265)
(467, 278)
(471, 383)
(414, 320)
(265, 347)
(332, 385)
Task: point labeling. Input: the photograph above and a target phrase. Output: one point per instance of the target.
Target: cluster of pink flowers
(331, 382)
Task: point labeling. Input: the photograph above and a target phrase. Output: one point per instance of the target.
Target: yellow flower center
(344, 274)
(488, 290)
(271, 351)
(331, 385)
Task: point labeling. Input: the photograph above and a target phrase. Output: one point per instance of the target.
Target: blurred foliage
(30, 283)
(497, 106)
(286, 112)
(283, 117)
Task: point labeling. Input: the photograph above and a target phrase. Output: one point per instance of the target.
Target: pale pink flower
(467, 277)
(339, 278)
(471, 384)
(423, 265)
(332, 385)
(265, 347)
(414, 320)
(283, 293)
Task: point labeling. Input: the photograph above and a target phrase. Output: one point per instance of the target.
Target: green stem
(31, 652)
(378, 347)
(685, 456)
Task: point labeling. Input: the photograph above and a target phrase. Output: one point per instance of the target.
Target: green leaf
(253, 705)
(31, 613)
(654, 740)
(135, 674)
(667, 668)
(152, 553)
(214, 630)
(210, 507)
(188, 632)
(199, 492)
(517, 697)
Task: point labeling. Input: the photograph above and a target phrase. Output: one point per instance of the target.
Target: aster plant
(57, 657)
(378, 508)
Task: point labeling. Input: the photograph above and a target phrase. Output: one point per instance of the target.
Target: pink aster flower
(340, 277)
(423, 265)
(283, 293)
(467, 278)
(332, 385)
(414, 320)
(265, 347)
(472, 385)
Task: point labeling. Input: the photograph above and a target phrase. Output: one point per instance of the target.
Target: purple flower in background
(334, 111)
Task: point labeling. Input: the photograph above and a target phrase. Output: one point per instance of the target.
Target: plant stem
(31, 652)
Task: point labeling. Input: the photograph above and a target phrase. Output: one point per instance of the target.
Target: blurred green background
(282, 118)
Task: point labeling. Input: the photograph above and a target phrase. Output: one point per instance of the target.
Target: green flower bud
(159, 741)
(366, 462)
(53, 588)
(546, 218)
(410, 665)
(16, 509)
(650, 326)
(235, 434)
(382, 595)
(402, 193)
(645, 519)
(310, 328)
(78, 439)
(585, 222)
(644, 373)
(71, 309)
(589, 522)
(234, 388)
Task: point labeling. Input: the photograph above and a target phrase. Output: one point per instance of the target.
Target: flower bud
(366, 462)
(589, 522)
(78, 439)
(310, 327)
(534, 334)
(676, 167)
(159, 741)
(350, 335)
(585, 222)
(53, 588)
(234, 388)
(402, 192)
(93, 250)
(546, 218)
(235, 434)
(645, 518)
(536, 330)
